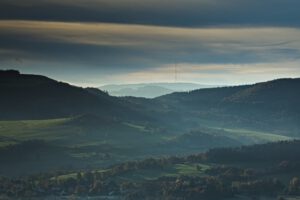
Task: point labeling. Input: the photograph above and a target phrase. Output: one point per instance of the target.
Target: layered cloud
(158, 12)
(106, 41)
(214, 74)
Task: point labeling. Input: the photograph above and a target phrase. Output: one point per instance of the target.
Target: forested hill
(280, 93)
(268, 105)
(25, 96)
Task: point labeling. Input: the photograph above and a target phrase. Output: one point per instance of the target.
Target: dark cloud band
(134, 47)
(192, 13)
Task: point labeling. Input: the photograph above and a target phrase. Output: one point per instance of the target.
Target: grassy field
(97, 142)
(72, 133)
(250, 136)
(152, 174)
(94, 136)
(16, 131)
(83, 142)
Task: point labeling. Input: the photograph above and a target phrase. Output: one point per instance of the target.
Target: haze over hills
(151, 90)
(272, 105)
(86, 125)
(267, 106)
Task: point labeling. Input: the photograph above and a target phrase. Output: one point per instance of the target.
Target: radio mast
(175, 73)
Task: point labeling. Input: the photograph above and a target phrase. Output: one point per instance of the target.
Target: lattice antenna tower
(175, 73)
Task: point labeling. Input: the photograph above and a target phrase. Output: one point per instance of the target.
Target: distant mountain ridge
(144, 91)
(151, 90)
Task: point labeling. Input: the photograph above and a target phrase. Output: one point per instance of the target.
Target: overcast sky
(96, 42)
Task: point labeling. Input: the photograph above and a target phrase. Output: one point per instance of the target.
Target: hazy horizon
(57, 77)
(98, 42)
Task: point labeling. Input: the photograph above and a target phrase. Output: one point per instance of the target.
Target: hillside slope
(273, 105)
(26, 96)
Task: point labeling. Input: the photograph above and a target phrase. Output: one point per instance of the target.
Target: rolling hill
(26, 96)
(272, 106)
(249, 172)
(30, 146)
(269, 106)
(150, 90)
(73, 126)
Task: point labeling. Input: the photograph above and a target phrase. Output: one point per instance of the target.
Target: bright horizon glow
(95, 54)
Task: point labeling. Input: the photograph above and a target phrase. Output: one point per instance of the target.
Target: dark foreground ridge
(199, 176)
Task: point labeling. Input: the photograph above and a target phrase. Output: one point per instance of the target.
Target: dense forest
(250, 171)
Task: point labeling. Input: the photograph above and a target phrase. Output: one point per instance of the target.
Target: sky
(97, 42)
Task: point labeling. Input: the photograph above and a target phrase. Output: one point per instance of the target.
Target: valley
(84, 142)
